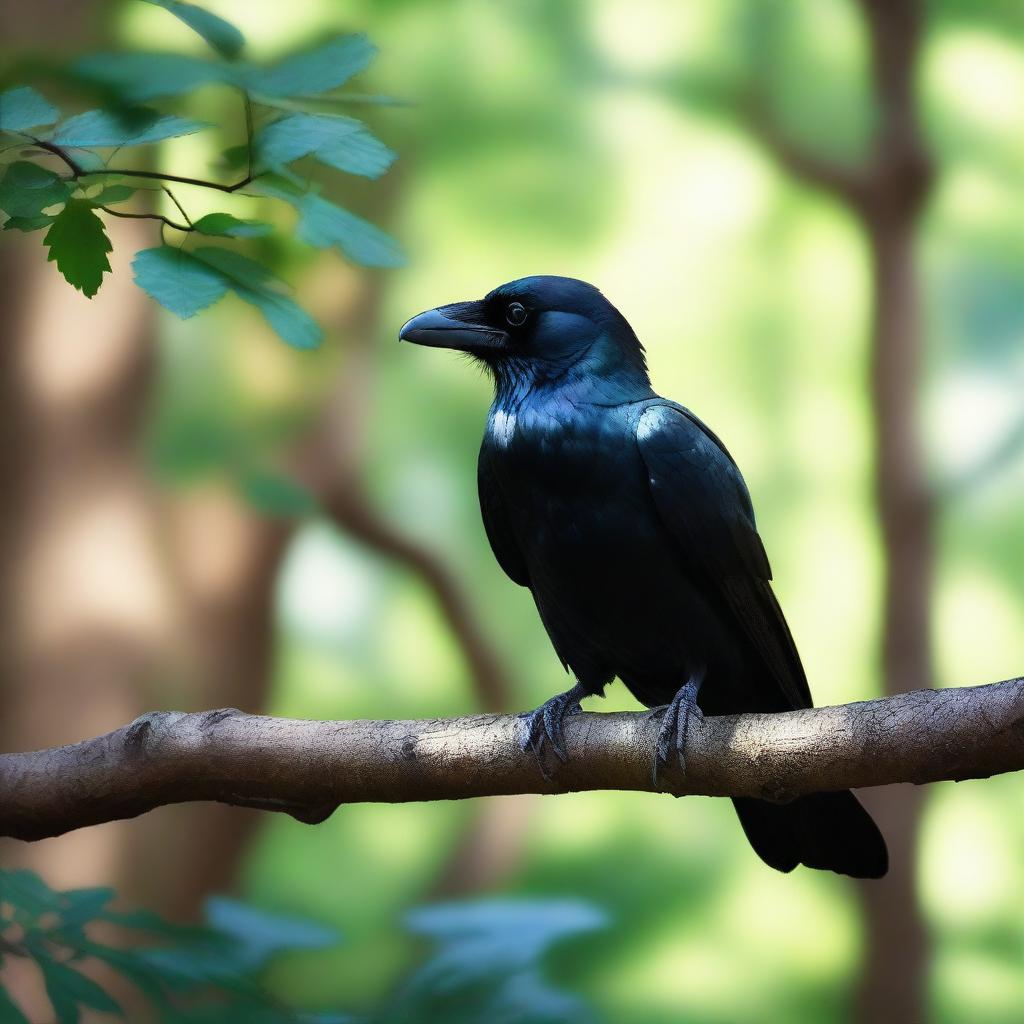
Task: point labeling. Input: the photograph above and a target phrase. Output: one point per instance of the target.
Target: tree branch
(849, 184)
(349, 508)
(78, 171)
(308, 768)
(147, 216)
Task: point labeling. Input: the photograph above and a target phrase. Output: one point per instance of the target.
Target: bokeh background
(862, 359)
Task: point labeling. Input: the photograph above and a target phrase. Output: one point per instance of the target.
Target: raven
(632, 527)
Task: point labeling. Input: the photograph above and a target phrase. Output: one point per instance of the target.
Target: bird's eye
(516, 314)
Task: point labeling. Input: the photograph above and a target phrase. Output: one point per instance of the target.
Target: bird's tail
(830, 831)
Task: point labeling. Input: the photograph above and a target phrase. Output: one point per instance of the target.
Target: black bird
(631, 525)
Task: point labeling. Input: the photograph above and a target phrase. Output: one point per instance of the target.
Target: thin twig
(76, 168)
(161, 176)
(147, 216)
(248, 134)
(78, 171)
(181, 209)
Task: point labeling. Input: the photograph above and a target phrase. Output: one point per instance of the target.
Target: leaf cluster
(67, 175)
(485, 962)
(186, 973)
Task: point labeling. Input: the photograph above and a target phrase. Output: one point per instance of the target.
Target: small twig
(76, 168)
(181, 209)
(161, 176)
(248, 134)
(303, 104)
(147, 216)
(78, 171)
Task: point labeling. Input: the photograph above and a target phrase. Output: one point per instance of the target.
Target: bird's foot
(545, 724)
(675, 720)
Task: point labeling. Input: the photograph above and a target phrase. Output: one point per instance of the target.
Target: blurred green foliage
(486, 964)
(186, 973)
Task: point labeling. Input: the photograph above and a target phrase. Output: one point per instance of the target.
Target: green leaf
(150, 921)
(281, 498)
(485, 936)
(28, 223)
(324, 225)
(239, 269)
(84, 905)
(141, 974)
(10, 1012)
(28, 894)
(185, 283)
(320, 70)
(252, 283)
(179, 282)
(487, 966)
(79, 245)
(139, 77)
(225, 225)
(220, 34)
(67, 989)
(235, 157)
(87, 159)
(338, 141)
(112, 195)
(27, 189)
(259, 934)
(123, 128)
(288, 319)
(23, 108)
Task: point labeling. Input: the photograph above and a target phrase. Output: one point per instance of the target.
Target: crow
(630, 524)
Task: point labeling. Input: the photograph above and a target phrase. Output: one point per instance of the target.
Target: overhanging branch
(308, 768)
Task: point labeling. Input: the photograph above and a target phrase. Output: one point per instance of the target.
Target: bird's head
(535, 330)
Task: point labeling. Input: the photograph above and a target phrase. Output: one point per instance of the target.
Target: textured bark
(308, 768)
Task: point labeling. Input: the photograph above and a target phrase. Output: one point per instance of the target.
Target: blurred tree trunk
(894, 979)
(886, 195)
(114, 597)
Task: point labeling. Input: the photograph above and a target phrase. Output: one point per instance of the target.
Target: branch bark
(309, 768)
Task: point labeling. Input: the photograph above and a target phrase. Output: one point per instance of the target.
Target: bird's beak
(460, 326)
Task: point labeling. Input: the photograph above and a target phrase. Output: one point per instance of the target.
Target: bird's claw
(546, 724)
(675, 720)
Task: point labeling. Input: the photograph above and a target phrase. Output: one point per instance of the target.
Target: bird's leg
(546, 722)
(674, 723)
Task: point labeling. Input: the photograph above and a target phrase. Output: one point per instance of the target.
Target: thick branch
(308, 768)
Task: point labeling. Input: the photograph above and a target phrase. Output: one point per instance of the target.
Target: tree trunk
(893, 982)
(111, 598)
(115, 595)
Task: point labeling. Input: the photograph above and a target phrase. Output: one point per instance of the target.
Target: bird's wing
(703, 502)
(496, 523)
